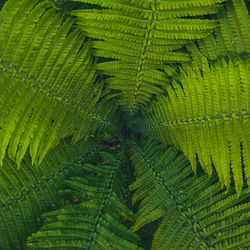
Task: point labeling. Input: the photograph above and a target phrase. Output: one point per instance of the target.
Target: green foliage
(32, 190)
(146, 35)
(47, 81)
(193, 212)
(96, 222)
(79, 77)
(232, 36)
(208, 117)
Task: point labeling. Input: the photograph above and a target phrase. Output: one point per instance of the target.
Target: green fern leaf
(173, 70)
(134, 32)
(96, 222)
(192, 211)
(47, 77)
(232, 36)
(208, 117)
(27, 192)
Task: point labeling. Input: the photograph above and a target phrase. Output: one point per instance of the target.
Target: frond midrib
(44, 181)
(49, 93)
(178, 204)
(197, 120)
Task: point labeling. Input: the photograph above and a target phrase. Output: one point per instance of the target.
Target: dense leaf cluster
(124, 124)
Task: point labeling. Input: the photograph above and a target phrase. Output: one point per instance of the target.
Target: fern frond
(123, 72)
(96, 223)
(192, 211)
(134, 32)
(231, 37)
(27, 192)
(208, 117)
(234, 25)
(47, 81)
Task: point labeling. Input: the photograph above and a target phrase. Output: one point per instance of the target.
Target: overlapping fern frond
(192, 211)
(27, 192)
(143, 36)
(208, 117)
(231, 37)
(96, 223)
(177, 71)
(47, 81)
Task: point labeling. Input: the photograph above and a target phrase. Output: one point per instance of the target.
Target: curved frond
(47, 81)
(134, 32)
(96, 223)
(208, 118)
(192, 211)
(27, 192)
